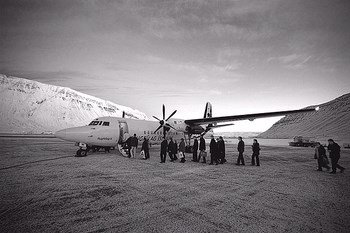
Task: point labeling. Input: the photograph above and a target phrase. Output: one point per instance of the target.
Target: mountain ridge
(31, 107)
(332, 120)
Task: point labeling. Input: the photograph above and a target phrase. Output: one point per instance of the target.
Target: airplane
(107, 132)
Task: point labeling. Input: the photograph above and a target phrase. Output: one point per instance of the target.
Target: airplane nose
(75, 134)
(61, 134)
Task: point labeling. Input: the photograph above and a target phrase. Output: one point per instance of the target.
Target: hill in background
(30, 107)
(331, 121)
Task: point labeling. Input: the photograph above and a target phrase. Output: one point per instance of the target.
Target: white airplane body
(109, 132)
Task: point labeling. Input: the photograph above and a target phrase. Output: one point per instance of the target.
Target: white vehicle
(107, 132)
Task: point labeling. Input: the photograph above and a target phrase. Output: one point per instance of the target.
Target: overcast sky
(242, 56)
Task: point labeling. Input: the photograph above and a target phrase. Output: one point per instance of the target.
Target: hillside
(331, 121)
(30, 107)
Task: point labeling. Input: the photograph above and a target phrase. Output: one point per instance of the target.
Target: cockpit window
(106, 123)
(94, 123)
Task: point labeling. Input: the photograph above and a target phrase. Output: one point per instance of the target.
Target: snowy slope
(32, 107)
(331, 121)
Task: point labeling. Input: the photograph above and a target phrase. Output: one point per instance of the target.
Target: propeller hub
(163, 123)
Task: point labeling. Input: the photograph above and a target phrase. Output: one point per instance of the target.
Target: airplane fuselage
(111, 131)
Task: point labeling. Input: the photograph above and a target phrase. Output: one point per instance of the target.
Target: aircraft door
(123, 132)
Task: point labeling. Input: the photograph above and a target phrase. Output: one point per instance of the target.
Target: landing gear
(81, 153)
(83, 149)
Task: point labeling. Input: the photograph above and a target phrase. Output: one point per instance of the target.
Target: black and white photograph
(175, 116)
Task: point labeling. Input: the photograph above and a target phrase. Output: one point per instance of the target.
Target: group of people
(216, 149)
(217, 152)
(131, 146)
(173, 150)
(334, 154)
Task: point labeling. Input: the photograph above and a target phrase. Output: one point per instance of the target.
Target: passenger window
(105, 123)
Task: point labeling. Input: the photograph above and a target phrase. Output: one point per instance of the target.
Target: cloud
(292, 61)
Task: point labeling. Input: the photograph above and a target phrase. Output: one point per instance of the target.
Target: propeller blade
(158, 128)
(171, 115)
(163, 111)
(157, 118)
(168, 125)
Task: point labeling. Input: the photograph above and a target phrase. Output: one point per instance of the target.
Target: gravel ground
(45, 189)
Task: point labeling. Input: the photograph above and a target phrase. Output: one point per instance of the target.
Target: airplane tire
(81, 153)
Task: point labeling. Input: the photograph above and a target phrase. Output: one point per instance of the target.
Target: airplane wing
(251, 117)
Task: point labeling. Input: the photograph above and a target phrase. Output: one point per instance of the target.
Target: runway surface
(44, 188)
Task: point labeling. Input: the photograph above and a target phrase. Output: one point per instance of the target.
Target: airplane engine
(196, 129)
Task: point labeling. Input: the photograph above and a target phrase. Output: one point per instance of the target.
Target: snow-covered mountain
(30, 107)
(331, 121)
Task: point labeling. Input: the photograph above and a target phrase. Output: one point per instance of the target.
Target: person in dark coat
(195, 150)
(175, 150)
(320, 155)
(202, 149)
(221, 150)
(128, 146)
(240, 149)
(145, 148)
(171, 149)
(182, 149)
(256, 153)
(334, 154)
(213, 151)
(163, 150)
(134, 143)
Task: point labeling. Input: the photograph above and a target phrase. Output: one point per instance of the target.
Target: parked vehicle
(300, 141)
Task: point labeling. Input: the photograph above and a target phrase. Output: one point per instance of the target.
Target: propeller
(163, 123)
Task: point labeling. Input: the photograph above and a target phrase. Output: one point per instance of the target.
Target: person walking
(128, 146)
(213, 151)
(171, 149)
(182, 149)
(334, 154)
(134, 142)
(163, 150)
(256, 153)
(195, 150)
(320, 155)
(240, 149)
(145, 148)
(175, 149)
(202, 149)
(221, 150)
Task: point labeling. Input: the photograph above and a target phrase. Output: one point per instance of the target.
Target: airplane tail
(208, 112)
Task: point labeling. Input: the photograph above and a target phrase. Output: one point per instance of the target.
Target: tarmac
(44, 188)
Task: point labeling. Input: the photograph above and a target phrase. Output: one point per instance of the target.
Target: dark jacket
(195, 145)
(201, 144)
(145, 145)
(240, 146)
(171, 147)
(334, 150)
(182, 146)
(256, 148)
(221, 147)
(134, 141)
(213, 146)
(175, 147)
(128, 142)
(164, 146)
